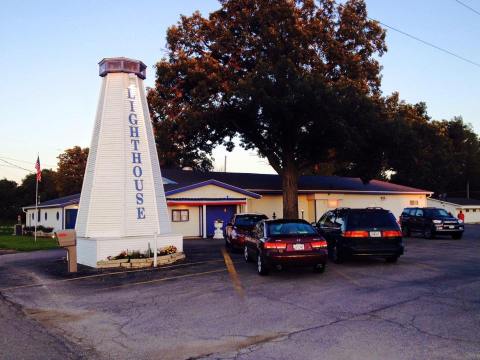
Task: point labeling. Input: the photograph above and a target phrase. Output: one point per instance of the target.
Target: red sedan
(285, 242)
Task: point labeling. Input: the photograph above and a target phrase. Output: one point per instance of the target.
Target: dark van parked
(429, 222)
(361, 232)
(285, 242)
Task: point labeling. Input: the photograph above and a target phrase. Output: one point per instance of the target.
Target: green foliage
(279, 75)
(71, 168)
(26, 243)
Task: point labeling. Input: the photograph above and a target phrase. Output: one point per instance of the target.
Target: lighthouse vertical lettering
(136, 155)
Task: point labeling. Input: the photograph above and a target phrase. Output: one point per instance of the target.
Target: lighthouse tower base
(91, 250)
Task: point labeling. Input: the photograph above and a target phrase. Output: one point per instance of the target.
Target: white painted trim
(204, 221)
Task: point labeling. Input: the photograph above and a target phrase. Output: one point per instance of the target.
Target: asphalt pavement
(424, 307)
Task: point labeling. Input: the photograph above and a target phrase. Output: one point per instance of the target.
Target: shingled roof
(272, 183)
(176, 180)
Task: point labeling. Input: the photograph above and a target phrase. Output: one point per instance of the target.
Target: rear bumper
(300, 259)
(358, 251)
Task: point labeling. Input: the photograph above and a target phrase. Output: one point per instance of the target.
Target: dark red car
(285, 242)
(241, 225)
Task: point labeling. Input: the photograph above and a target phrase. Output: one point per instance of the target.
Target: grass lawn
(26, 243)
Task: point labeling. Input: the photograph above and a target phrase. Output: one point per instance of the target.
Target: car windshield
(436, 213)
(371, 219)
(290, 228)
(249, 220)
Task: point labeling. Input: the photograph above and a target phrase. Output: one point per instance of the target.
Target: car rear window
(371, 219)
(290, 228)
(248, 220)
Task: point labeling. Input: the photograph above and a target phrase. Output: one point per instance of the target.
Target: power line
(23, 161)
(15, 165)
(428, 43)
(468, 7)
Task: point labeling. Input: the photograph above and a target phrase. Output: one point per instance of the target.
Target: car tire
(407, 232)
(337, 256)
(261, 266)
(319, 268)
(428, 233)
(457, 236)
(246, 254)
(391, 259)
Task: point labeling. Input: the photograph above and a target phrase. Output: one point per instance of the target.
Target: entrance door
(222, 212)
(70, 218)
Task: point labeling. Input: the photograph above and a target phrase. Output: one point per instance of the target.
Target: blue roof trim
(58, 202)
(216, 183)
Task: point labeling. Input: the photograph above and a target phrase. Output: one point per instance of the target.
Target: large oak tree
(296, 80)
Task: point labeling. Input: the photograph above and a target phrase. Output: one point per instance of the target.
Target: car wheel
(457, 236)
(319, 268)
(392, 259)
(428, 233)
(407, 232)
(261, 266)
(246, 255)
(337, 257)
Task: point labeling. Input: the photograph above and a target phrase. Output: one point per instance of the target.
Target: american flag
(39, 171)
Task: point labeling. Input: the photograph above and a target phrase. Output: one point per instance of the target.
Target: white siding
(51, 220)
(472, 213)
(108, 203)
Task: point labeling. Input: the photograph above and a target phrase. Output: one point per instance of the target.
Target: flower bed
(136, 259)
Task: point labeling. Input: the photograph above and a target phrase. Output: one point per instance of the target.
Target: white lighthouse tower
(122, 205)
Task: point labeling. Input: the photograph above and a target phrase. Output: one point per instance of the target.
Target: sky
(49, 54)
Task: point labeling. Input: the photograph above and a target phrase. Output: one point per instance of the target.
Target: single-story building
(469, 207)
(196, 199)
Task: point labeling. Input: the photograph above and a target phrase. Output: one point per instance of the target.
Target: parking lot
(424, 307)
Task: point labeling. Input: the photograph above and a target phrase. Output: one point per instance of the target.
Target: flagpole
(36, 207)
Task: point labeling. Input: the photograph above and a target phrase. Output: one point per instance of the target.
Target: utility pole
(225, 164)
(468, 189)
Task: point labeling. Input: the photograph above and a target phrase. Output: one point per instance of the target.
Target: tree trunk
(290, 191)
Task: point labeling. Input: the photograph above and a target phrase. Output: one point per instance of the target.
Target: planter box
(145, 264)
(140, 263)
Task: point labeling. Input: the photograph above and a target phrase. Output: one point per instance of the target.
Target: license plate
(451, 226)
(298, 247)
(375, 234)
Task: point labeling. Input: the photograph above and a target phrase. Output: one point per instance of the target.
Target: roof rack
(374, 208)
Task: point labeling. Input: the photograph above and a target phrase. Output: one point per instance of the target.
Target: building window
(466, 210)
(413, 202)
(45, 216)
(180, 216)
(38, 215)
(58, 215)
(474, 210)
(33, 216)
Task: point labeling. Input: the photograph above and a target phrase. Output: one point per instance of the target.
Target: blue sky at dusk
(49, 52)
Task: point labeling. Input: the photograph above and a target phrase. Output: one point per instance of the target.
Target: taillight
(275, 245)
(355, 234)
(391, 233)
(319, 244)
